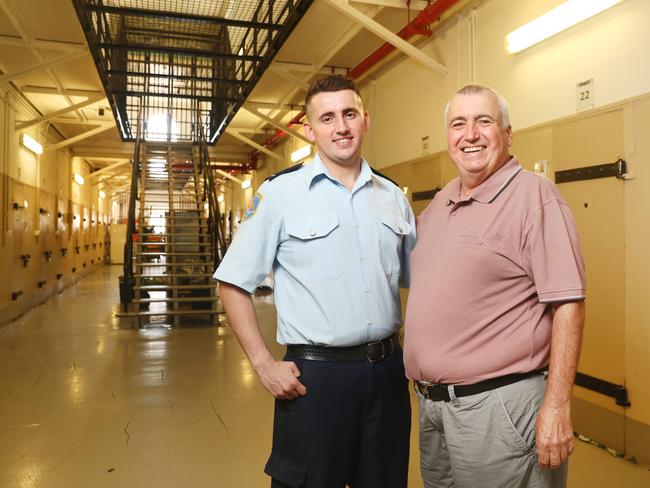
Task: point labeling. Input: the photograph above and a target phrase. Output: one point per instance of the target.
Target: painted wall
(59, 224)
(407, 101)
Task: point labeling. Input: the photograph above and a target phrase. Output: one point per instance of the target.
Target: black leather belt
(371, 352)
(440, 392)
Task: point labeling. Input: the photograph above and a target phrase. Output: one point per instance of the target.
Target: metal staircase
(176, 243)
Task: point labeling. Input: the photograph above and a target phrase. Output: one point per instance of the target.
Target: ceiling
(45, 60)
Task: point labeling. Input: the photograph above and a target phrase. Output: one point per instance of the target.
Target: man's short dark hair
(332, 83)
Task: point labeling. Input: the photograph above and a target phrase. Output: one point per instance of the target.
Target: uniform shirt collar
(318, 170)
(490, 189)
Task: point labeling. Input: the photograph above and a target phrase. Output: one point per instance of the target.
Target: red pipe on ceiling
(418, 26)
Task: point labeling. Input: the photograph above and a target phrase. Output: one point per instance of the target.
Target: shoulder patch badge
(252, 207)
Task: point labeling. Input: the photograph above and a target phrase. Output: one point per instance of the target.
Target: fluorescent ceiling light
(102, 195)
(30, 143)
(246, 184)
(555, 21)
(220, 198)
(78, 179)
(301, 153)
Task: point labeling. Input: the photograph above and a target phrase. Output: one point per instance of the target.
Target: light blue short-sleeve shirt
(338, 256)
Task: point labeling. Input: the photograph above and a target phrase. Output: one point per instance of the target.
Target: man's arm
(280, 378)
(554, 431)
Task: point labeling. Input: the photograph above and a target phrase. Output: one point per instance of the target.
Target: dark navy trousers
(351, 428)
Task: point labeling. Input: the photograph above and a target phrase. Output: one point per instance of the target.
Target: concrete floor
(88, 402)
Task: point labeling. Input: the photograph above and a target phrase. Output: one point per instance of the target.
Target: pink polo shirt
(484, 274)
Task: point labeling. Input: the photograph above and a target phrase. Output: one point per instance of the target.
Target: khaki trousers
(485, 440)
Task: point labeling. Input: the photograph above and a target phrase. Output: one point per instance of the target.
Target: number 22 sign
(585, 94)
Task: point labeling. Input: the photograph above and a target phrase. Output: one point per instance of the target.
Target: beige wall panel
(602, 238)
(448, 171)
(533, 145)
(601, 424)
(597, 139)
(637, 359)
(598, 207)
(425, 175)
(402, 174)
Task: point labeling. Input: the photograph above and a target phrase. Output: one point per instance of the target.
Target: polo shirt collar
(318, 169)
(491, 188)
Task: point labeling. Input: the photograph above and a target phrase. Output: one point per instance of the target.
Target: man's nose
(471, 131)
(341, 124)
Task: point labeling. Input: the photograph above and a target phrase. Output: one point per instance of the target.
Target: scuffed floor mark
(162, 376)
(219, 417)
(110, 470)
(171, 407)
(126, 431)
(114, 396)
(38, 379)
(74, 365)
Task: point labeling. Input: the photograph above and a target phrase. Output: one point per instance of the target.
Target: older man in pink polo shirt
(495, 313)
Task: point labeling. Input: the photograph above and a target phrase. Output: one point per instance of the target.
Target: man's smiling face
(337, 124)
(476, 141)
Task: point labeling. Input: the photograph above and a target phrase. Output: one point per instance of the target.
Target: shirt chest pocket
(392, 232)
(312, 251)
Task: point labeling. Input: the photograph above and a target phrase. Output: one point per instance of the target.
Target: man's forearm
(566, 340)
(243, 321)
(554, 430)
(280, 378)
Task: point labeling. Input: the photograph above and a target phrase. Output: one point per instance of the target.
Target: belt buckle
(423, 389)
(372, 348)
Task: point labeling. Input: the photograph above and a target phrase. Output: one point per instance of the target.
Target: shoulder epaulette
(384, 176)
(291, 169)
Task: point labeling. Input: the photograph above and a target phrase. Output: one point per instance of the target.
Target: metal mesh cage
(188, 61)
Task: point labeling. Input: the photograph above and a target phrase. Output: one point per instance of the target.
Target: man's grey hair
(475, 88)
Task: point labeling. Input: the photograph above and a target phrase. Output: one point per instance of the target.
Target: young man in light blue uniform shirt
(337, 236)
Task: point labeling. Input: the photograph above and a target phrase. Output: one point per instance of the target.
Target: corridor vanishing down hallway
(86, 401)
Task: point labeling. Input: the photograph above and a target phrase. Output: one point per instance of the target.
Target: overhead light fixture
(220, 198)
(102, 195)
(554, 21)
(30, 143)
(301, 153)
(246, 184)
(78, 179)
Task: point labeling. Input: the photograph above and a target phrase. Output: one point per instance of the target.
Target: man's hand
(280, 378)
(554, 436)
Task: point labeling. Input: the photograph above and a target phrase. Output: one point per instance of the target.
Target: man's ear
(309, 133)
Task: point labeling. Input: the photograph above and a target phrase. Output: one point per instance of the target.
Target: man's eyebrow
(459, 117)
(480, 116)
(326, 114)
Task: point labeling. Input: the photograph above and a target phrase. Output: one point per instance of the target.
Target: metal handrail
(210, 194)
(127, 291)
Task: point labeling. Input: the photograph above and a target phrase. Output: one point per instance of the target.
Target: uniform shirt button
(367, 291)
(453, 213)
(369, 322)
(312, 233)
(479, 241)
(399, 229)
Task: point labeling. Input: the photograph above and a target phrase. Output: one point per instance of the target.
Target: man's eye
(457, 125)
(326, 120)
(350, 115)
(486, 121)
